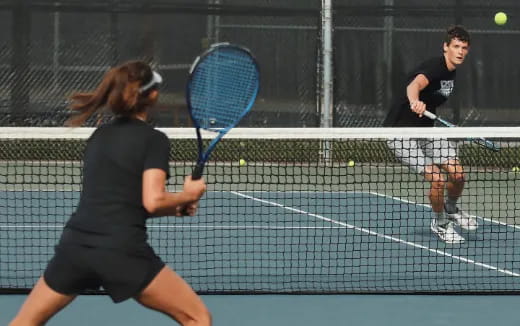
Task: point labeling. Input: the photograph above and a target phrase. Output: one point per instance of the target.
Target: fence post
(327, 91)
(326, 94)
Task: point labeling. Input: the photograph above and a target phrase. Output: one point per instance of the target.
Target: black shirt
(110, 212)
(440, 86)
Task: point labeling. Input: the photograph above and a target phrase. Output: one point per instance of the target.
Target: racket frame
(479, 141)
(204, 154)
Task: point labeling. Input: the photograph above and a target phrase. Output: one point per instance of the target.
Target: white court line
(385, 196)
(380, 235)
(265, 191)
(428, 206)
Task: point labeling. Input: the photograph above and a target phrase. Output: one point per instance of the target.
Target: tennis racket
(222, 87)
(480, 141)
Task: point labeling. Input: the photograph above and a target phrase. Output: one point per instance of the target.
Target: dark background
(49, 49)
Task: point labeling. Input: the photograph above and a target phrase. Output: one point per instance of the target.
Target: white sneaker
(463, 219)
(446, 232)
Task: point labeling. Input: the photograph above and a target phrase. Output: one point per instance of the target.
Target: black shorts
(123, 275)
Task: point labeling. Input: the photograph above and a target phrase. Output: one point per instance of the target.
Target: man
(429, 86)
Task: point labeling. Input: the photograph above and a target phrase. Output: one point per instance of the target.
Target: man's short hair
(457, 32)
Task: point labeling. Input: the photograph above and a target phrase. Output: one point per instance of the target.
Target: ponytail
(119, 90)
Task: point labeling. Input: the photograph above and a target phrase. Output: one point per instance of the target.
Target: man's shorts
(419, 153)
(75, 269)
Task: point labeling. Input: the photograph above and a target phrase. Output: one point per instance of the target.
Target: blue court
(285, 242)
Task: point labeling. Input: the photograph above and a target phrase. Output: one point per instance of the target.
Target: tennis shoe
(463, 219)
(446, 232)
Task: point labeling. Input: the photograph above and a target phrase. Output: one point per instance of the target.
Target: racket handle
(197, 171)
(430, 115)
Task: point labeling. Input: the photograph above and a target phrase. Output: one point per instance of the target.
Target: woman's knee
(203, 318)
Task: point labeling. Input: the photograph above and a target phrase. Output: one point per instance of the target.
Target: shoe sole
(446, 241)
(467, 228)
(471, 228)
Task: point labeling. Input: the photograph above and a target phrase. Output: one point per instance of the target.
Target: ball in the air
(242, 162)
(500, 18)
(351, 163)
(515, 169)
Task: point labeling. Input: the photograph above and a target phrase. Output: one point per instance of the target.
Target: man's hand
(418, 107)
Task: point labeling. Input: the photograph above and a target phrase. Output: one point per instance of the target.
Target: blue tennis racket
(222, 88)
(480, 141)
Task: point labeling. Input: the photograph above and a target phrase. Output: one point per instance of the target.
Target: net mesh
(312, 211)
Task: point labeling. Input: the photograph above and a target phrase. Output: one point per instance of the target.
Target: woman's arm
(159, 202)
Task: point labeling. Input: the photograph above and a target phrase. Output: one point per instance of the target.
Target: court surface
(288, 241)
(284, 241)
(297, 310)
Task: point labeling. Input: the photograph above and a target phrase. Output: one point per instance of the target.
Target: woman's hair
(124, 90)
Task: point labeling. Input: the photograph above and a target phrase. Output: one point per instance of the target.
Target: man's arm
(412, 92)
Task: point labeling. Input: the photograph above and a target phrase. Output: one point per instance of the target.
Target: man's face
(456, 51)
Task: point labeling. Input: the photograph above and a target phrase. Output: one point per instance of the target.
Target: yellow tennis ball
(500, 18)
(242, 162)
(515, 169)
(351, 163)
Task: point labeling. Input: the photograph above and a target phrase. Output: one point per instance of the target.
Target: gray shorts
(419, 153)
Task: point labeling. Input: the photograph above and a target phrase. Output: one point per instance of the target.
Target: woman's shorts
(123, 275)
(419, 153)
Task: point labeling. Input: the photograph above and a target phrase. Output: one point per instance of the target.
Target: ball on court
(500, 18)
(242, 162)
(351, 163)
(515, 169)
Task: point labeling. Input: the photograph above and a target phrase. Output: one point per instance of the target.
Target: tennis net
(310, 211)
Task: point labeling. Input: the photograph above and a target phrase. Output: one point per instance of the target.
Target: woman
(124, 175)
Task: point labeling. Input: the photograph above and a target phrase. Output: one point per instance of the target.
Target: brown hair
(457, 32)
(119, 91)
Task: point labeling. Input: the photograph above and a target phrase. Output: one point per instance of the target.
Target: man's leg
(434, 175)
(454, 187)
(440, 224)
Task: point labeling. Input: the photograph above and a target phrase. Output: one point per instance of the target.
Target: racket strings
(222, 86)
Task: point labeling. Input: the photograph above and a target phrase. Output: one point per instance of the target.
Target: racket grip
(198, 171)
(430, 115)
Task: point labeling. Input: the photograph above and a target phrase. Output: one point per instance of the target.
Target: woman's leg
(41, 304)
(170, 294)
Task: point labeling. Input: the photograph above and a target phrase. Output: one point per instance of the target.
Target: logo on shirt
(446, 88)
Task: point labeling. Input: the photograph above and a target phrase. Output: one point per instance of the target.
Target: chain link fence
(50, 49)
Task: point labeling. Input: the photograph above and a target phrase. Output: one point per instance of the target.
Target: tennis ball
(242, 162)
(500, 18)
(351, 163)
(515, 169)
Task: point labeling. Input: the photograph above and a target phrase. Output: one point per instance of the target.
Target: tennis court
(304, 310)
(278, 241)
(289, 221)
(352, 242)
